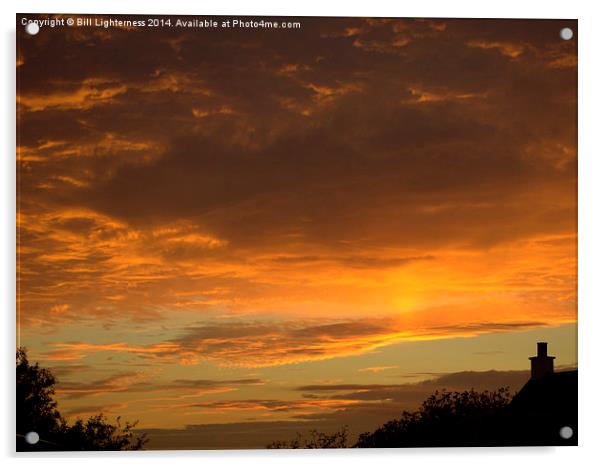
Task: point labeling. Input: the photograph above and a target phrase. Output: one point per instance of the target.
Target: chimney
(541, 364)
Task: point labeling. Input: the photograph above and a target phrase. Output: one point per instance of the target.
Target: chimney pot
(542, 349)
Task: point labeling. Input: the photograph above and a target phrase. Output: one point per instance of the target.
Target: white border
(590, 224)
(424, 8)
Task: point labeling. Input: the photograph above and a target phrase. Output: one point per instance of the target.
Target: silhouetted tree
(445, 418)
(36, 409)
(314, 439)
(37, 412)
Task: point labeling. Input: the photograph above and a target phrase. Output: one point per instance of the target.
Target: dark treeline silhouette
(534, 416)
(37, 412)
(445, 419)
(314, 439)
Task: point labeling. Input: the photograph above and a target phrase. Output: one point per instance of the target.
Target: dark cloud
(352, 261)
(92, 410)
(141, 382)
(270, 405)
(490, 326)
(208, 383)
(370, 262)
(347, 387)
(65, 370)
(403, 392)
(117, 382)
(245, 435)
(413, 138)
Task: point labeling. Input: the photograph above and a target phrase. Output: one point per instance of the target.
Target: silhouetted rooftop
(545, 405)
(557, 390)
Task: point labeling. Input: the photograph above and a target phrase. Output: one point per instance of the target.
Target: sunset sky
(232, 234)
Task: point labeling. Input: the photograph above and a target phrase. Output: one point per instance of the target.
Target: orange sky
(228, 226)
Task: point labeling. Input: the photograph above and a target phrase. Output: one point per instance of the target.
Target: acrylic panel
(295, 232)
